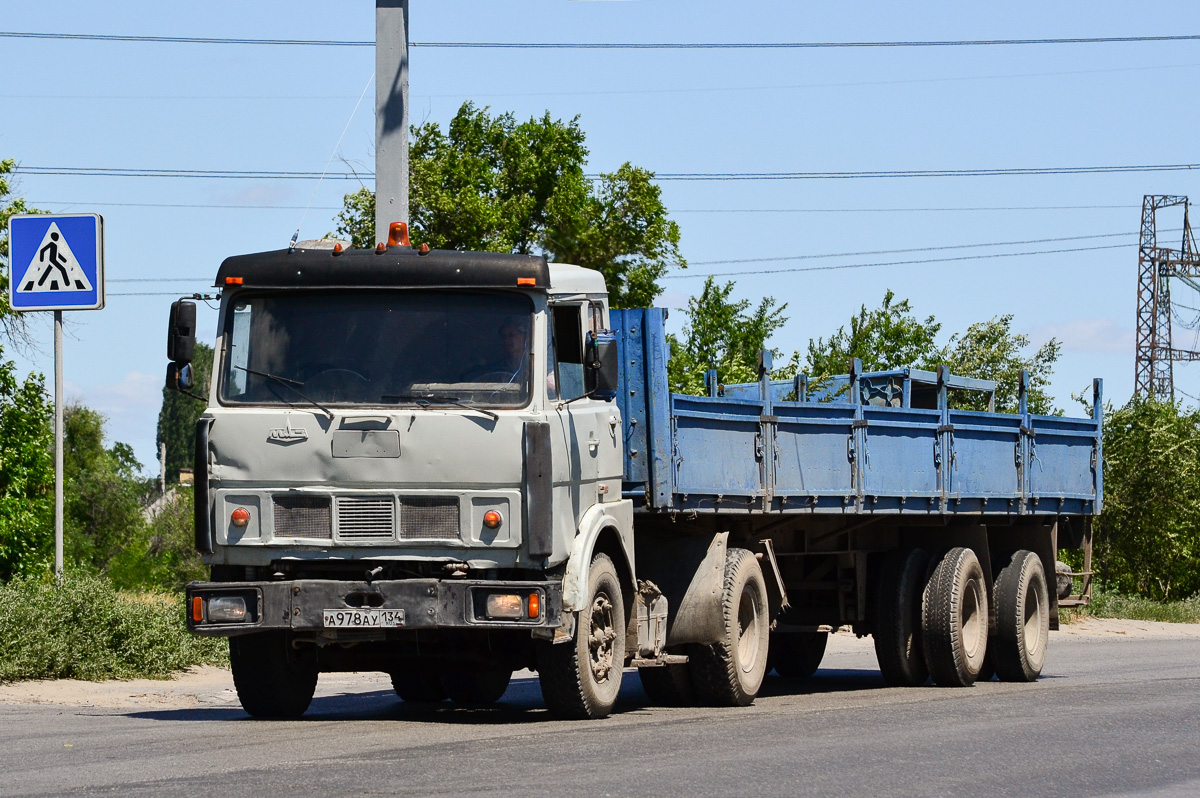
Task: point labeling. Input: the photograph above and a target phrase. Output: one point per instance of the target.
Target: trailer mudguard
(689, 570)
(617, 516)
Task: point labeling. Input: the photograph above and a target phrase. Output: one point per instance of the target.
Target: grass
(1137, 608)
(84, 628)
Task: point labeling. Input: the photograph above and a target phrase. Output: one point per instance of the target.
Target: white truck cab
(402, 453)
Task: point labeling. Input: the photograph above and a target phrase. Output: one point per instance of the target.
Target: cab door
(587, 463)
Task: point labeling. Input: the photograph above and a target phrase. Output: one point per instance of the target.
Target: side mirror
(181, 332)
(180, 377)
(601, 365)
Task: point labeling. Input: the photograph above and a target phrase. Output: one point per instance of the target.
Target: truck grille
(429, 518)
(366, 519)
(303, 517)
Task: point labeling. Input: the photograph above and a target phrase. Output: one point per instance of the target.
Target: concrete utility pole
(391, 115)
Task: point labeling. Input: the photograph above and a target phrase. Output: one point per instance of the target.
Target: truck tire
(1022, 619)
(730, 672)
(581, 679)
(475, 684)
(898, 618)
(417, 682)
(798, 655)
(954, 619)
(1064, 583)
(668, 686)
(269, 682)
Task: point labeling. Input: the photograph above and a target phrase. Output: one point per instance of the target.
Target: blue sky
(174, 106)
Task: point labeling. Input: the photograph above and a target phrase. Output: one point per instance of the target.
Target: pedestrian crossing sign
(56, 262)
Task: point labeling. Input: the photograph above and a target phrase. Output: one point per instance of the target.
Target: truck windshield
(378, 348)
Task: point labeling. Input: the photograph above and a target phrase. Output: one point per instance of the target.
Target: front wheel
(417, 682)
(474, 684)
(581, 679)
(272, 680)
(798, 655)
(730, 671)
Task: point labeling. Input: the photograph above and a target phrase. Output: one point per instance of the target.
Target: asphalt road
(1109, 717)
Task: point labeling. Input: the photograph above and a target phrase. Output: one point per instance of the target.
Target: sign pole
(56, 262)
(58, 445)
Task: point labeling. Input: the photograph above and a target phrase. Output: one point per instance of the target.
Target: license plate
(362, 619)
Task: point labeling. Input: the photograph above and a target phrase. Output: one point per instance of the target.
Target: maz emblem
(288, 434)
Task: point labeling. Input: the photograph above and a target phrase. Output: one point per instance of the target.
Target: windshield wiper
(295, 385)
(425, 401)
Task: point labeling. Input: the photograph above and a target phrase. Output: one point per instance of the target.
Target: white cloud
(1087, 335)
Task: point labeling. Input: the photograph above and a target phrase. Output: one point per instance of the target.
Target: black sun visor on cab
(393, 267)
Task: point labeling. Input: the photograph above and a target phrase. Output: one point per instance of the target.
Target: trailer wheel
(798, 655)
(730, 672)
(1022, 619)
(416, 682)
(581, 679)
(954, 619)
(669, 686)
(475, 684)
(898, 618)
(271, 680)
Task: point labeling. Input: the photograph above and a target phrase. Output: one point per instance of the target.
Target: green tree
(164, 555)
(1148, 537)
(491, 184)
(990, 350)
(11, 324)
(178, 415)
(26, 434)
(892, 336)
(888, 337)
(723, 334)
(103, 511)
(26, 475)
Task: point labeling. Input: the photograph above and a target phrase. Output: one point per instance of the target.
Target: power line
(990, 208)
(908, 173)
(599, 45)
(36, 203)
(839, 267)
(917, 249)
(262, 174)
(965, 209)
(595, 93)
(798, 257)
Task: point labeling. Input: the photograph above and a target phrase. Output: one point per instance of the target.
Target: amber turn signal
(492, 519)
(197, 609)
(535, 605)
(239, 517)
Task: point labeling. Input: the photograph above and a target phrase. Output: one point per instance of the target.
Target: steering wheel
(493, 376)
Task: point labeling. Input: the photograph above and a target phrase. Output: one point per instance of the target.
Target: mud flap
(689, 570)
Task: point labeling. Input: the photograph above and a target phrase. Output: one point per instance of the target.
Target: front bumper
(300, 605)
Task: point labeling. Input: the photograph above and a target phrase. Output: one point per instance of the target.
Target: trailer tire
(669, 685)
(271, 680)
(730, 672)
(581, 679)
(798, 655)
(897, 633)
(475, 684)
(1022, 619)
(954, 619)
(416, 682)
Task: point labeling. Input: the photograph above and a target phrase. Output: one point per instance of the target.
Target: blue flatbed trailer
(832, 491)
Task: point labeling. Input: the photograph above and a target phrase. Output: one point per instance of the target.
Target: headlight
(226, 609)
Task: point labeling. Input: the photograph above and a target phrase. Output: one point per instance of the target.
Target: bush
(84, 628)
(1139, 608)
(1148, 537)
